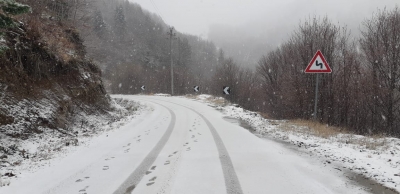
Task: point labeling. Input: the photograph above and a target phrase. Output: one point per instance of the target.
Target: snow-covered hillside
(19, 156)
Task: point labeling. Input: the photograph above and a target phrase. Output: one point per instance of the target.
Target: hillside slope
(132, 47)
(47, 85)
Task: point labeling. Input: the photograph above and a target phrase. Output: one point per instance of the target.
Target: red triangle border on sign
(328, 69)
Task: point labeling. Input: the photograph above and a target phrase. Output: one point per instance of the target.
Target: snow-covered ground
(39, 151)
(186, 145)
(377, 158)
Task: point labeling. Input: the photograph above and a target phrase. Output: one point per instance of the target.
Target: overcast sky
(248, 29)
(196, 16)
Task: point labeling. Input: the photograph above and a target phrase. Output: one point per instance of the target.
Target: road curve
(249, 164)
(177, 145)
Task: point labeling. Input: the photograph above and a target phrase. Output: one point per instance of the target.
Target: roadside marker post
(226, 90)
(196, 88)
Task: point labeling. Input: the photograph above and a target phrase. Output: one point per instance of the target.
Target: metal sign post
(317, 65)
(316, 97)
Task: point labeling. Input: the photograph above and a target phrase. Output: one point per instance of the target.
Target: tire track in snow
(232, 183)
(130, 183)
(231, 180)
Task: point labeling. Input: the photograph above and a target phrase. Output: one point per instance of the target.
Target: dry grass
(369, 142)
(59, 43)
(265, 115)
(218, 101)
(325, 131)
(190, 96)
(55, 35)
(312, 128)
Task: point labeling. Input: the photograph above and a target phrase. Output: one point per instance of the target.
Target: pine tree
(120, 23)
(10, 7)
(99, 25)
(184, 52)
(221, 57)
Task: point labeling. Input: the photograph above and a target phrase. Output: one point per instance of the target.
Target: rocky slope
(47, 84)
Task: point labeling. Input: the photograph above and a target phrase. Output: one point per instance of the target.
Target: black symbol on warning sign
(318, 64)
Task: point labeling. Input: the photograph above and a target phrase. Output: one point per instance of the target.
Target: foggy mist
(248, 29)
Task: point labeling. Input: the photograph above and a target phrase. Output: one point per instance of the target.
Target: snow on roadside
(372, 157)
(161, 94)
(37, 152)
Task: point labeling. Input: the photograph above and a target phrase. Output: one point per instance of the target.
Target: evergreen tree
(100, 27)
(221, 57)
(10, 7)
(184, 52)
(119, 23)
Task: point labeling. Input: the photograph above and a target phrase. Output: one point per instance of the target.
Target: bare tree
(380, 42)
(226, 74)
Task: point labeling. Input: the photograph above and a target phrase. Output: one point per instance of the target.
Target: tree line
(361, 94)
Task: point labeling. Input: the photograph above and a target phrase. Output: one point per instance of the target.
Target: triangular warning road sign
(318, 64)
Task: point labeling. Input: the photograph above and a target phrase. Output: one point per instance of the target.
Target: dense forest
(133, 48)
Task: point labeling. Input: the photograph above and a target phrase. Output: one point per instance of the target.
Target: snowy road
(182, 146)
